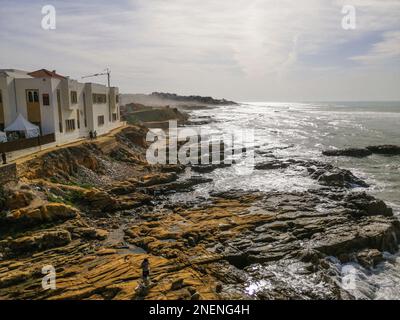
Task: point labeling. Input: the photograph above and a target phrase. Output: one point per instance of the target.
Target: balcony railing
(21, 144)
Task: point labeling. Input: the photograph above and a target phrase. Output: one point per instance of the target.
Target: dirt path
(100, 139)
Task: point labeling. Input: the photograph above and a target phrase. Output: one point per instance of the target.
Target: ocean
(303, 131)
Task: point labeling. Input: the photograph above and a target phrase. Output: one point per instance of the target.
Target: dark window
(69, 125)
(30, 96)
(117, 98)
(100, 120)
(84, 109)
(46, 99)
(78, 119)
(114, 117)
(60, 121)
(35, 96)
(74, 97)
(99, 98)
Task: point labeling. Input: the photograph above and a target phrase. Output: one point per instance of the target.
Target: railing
(21, 144)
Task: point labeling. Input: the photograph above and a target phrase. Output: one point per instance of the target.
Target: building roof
(44, 73)
(14, 73)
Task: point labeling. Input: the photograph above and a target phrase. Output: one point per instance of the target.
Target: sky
(244, 50)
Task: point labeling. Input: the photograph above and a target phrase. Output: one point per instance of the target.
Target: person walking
(4, 158)
(145, 270)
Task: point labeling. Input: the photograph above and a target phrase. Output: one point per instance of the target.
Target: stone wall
(8, 173)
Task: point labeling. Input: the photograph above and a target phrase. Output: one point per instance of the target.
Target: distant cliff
(151, 116)
(160, 99)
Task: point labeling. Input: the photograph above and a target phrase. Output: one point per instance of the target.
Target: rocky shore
(388, 150)
(95, 210)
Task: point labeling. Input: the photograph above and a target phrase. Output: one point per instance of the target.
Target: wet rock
(310, 255)
(181, 186)
(156, 179)
(99, 201)
(351, 152)
(339, 178)
(50, 212)
(385, 149)
(271, 165)
(125, 187)
(195, 296)
(346, 239)
(369, 258)
(177, 284)
(91, 233)
(18, 199)
(365, 204)
(36, 242)
(14, 278)
(208, 168)
(191, 290)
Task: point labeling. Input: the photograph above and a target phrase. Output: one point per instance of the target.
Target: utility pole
(106, 72)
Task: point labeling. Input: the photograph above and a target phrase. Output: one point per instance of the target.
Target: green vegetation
(72, 183)
(71, 198)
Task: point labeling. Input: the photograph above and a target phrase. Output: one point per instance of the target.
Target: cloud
(243, 49)
(382, 52)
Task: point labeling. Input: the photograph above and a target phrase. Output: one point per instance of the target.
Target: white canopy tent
(3, 137)
(22, 125)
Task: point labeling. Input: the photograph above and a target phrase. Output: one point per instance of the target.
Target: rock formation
(95, 210)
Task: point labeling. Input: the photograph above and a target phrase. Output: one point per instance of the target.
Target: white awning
(22, 125)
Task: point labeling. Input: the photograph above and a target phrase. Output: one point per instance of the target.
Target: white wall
(7, 90)
(49, 114)
(101, 109)
(44, 85)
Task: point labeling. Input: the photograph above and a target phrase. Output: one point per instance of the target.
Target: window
(32, 96)
(69, 125)
(35, 96)
(74, 97)
(78, 119)
(60, 120)
(46, 99)
(99, 98)
(84, 110)
(114, 117)
(117, 98)
(100, 120)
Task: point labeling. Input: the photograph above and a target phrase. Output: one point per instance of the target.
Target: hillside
(152, 117)
(159, 99)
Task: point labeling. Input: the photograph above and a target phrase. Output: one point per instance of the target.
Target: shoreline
(98, 207)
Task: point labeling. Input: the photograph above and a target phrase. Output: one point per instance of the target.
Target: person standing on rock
(4, 158)
(145, 270)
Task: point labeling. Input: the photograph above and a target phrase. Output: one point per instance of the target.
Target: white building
(57, 104)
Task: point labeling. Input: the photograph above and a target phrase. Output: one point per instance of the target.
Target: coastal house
(62, 107)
